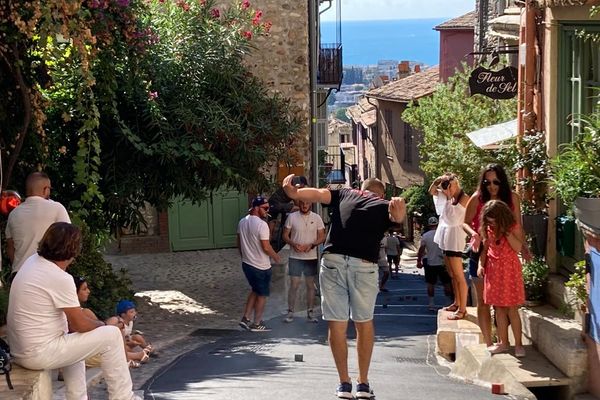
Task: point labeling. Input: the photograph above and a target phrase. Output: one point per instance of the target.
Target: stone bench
(451, 332)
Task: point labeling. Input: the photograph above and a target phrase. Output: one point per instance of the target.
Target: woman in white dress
(450, 204)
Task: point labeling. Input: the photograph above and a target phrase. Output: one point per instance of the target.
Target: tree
(161, 105)
(340, 114)
(446, 117)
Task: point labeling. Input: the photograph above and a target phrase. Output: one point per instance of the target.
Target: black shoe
(245, 323)
(344, 391)
(364, 391)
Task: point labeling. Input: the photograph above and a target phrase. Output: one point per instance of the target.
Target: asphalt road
(249, 365)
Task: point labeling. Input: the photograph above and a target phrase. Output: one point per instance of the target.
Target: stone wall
(490, 8)
(281, 59)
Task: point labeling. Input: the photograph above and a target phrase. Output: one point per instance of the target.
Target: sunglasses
(266, 208)
(494, 182)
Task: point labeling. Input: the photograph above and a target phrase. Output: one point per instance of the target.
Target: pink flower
(247, 34)
(245, 4)
(183, 4)
(215, 13)
(202, 2)
(152, 95)
(123, 3)
(257, 16)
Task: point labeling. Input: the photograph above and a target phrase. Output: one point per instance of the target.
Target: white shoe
(290, 316)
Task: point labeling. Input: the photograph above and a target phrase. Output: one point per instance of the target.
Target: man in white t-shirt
(393, 251)
(28, 222)
(43, 305)
(255, 249)
(304, 231)
(431, 257)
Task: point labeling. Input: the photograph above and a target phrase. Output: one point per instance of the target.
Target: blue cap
(124, 305)
(259, 201)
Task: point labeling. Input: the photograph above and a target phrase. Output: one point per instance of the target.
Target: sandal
(149, 349)
(457, 315)
(133, 364)
(519, 351)
(145, 358)
(497, 348)
(451, 307)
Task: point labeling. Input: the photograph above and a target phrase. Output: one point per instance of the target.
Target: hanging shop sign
(501, 84)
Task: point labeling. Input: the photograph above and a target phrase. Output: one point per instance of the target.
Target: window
(579, 74)
(408, 143)
(388, 134)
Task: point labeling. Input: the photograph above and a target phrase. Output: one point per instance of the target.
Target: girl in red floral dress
(500, 266)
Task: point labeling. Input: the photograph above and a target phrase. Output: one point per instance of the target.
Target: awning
(490, 137)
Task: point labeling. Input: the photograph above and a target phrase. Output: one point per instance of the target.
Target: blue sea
(366, 42)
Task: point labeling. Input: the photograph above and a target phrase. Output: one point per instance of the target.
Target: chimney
(403, 69)
(417, 69)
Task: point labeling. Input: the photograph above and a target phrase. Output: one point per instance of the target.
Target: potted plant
(576, 173)
(535, 279)
(579, 293)
(532, 168)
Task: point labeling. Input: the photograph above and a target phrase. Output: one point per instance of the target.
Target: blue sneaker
(363, 391)
(344, 391)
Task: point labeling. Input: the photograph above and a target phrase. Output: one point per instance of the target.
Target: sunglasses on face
(494, 182)
(266, 208)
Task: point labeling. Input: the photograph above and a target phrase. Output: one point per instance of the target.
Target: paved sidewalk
(184, 292)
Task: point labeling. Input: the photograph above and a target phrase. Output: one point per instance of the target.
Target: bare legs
(365, 338)
(255, 304)
(310, 291)
(504, 317)
(484, 316)
(459, 284)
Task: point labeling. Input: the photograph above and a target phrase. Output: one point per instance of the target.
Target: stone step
(518, 375)
(453, 332)
(559, 339)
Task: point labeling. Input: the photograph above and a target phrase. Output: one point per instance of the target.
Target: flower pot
(536, 229)
(587, 212)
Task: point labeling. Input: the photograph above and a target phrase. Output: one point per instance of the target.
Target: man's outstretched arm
(312, 195)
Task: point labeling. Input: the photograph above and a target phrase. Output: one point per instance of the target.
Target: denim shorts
(259, 279)
(349, 288)
(297, 267)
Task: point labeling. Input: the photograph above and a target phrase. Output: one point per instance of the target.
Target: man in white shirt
(43, 305)
(431, 257)
(28, 222)
(393, 251)
(304, 231)
(255, 249)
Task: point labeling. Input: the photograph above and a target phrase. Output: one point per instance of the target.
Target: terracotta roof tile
(466, 21)
(411, 87)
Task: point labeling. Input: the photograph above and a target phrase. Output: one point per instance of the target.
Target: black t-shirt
(280, 201)
(358, 221)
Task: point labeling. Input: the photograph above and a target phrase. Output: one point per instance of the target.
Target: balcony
(330, 70)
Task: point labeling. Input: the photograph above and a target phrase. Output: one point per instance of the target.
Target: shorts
(349, 288)
(384, 266)
(259, 279)
(433, 272)
(393, 259)
(473, 263)
(298, 267)
(452, 253)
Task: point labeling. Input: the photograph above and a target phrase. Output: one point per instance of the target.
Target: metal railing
(330, 70)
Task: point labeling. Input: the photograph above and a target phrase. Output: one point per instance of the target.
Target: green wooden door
(209, 225)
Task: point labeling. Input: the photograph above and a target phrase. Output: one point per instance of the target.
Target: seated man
(43, 304)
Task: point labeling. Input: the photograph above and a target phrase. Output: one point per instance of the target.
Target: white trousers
(69, 353)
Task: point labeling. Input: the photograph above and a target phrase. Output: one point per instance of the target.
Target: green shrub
(107, 286)
(419, 203)
(578, 283)
(535, 278)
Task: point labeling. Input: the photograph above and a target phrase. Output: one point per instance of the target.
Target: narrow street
(245, 365)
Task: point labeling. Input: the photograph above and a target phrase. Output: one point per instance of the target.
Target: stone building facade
(281, 60)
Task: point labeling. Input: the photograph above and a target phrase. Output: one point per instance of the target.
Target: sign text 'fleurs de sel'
(501, 84)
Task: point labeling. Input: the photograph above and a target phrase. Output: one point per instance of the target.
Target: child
(126, 314)
(500, 267)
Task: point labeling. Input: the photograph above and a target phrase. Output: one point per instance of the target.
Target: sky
(353, 10)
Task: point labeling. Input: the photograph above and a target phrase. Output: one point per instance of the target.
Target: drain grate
(411, 360)
(252, 348)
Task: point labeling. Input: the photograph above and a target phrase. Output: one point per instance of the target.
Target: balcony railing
(330, 65)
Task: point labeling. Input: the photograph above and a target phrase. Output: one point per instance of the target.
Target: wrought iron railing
(330, 71)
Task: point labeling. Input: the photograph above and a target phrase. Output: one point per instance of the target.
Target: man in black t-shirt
(349, 271)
